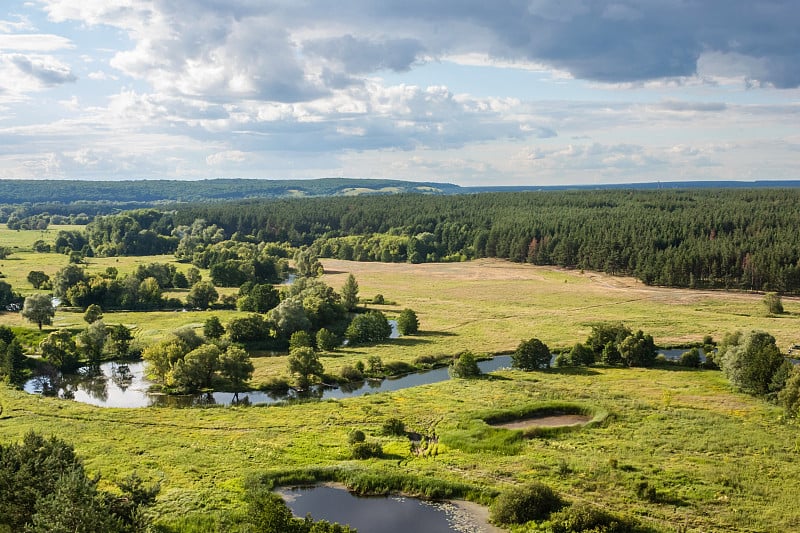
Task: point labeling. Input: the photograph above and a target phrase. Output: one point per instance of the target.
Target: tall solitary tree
(773, 303)
(350, 293)
(38, 308)
(37, 278)
(305, 364)
(93, 313)
(407, 322)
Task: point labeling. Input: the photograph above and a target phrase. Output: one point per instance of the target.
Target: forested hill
(152, 192)
(143, 193)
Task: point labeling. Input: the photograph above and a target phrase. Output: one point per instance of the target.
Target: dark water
(393, 514)
(675, 354)
(118, 384)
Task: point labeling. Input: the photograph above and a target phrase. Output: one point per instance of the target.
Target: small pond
(393, 514)
(118, 384)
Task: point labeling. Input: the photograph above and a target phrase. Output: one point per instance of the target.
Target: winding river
(121, 384)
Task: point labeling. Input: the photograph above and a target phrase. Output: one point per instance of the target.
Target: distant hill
(171, 191)
(137, 193)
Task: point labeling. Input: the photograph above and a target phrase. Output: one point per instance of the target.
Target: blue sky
(510, 92)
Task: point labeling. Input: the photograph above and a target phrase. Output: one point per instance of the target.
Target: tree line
(699, 238)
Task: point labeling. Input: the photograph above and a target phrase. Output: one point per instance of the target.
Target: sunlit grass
(717, 456)
(719, 460)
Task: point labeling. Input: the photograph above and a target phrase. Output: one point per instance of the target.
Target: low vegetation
(669, 445)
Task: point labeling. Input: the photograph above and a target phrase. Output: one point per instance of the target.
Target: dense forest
(149, 192)
(699, 238)
(28, 202)
(729, 238)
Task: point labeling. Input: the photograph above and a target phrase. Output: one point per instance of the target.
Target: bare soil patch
(550, 421)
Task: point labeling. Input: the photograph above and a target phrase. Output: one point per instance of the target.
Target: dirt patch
(472, 518)
(551, 421)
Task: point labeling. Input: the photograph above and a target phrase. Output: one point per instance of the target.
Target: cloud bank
(365, 87)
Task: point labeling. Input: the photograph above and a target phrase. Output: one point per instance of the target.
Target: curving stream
(121, 384)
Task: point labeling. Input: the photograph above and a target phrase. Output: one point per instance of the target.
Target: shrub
(350, 373)
(365, 450)
(407, 322)
(378, 299)
(691, 358)
(522, 504)
(531, 355)
(646, 492)
(369, 327)
(773, 303)
(426, 360)
(356, 436)
(393, 426)
(465, 366)
(393, 368)
(585, 517)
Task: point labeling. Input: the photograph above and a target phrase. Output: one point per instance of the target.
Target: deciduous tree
(465, 366)
(60, 350)
(407, 322)
(236, 366)
(37, 278)
(304, 364)
(93, 340)
(202, 295)
(38, 308)
(532, 354)
(369, 327)
(751, 362)
(213, 328)
(93, 313)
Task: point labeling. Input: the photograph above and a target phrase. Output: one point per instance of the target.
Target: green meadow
(677, 449)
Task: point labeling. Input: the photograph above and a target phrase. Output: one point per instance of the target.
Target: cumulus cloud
(356, 56)
(333, 87)
(221, 158)
(285, 51)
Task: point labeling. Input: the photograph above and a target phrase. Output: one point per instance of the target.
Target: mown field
(718, 460)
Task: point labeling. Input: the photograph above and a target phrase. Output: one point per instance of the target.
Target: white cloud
(34, 42)
(248, 86)
(227, 156)
(13, 26)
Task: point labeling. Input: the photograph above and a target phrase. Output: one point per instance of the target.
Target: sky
(472, 92)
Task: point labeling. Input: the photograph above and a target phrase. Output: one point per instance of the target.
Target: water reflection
(123, 384)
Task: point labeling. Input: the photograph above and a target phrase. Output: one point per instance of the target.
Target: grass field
(718, 460)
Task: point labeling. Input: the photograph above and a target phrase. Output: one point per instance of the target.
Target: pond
(393, 514)
(121, 384)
